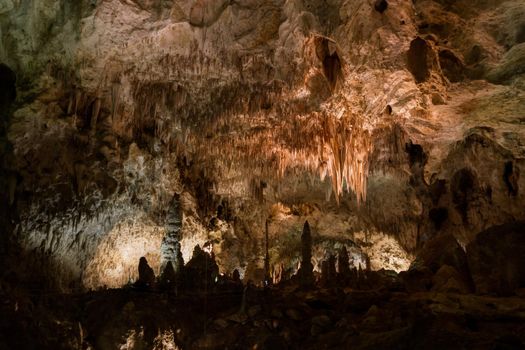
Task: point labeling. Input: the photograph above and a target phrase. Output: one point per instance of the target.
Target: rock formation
(344, 274)
(169, 279)
(139, 129)
(201, 272)
(171, 246)
(246, 106)
(146, 275)
(496, 259)
(305, 272)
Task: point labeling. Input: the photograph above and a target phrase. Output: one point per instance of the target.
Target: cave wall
(402, 120)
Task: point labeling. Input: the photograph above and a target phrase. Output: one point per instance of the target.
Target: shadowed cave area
(249, 174)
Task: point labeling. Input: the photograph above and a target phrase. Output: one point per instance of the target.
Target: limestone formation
(449, 280)
(144, 128)
(168, 279)
(305, 272)
(343, 267)
(201, 272)
(146, 275)
(236, 276)
(328, 271)
(121, 104)
(440, 251)
(496, 259)
(267, 272)
(171, 243)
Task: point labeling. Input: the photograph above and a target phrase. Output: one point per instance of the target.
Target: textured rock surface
(497, 259)
(129, 319)
(415, 108)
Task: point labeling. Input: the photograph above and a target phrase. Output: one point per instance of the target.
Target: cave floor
(284, 317)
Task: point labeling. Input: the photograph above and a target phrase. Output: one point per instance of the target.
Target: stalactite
(95, 114)
(256, 129)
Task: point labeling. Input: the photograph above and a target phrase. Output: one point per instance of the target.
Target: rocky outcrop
(497, 258)
(440, 251)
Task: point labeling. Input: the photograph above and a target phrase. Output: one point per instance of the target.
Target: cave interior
(262, 174)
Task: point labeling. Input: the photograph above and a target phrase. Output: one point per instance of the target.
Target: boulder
(441, 266)
(320, 324)
(496, 259)
(442, 250)
(417, 279)
(512, 64)
(449, 280)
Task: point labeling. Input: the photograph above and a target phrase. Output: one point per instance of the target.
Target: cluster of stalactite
(231, 114)
(267, 143)
(318, 143)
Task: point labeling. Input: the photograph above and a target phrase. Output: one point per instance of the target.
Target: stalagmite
(171, 247)
(267, 272)
(146, 275)
(95, 114)
(305, 273)
(168, 277)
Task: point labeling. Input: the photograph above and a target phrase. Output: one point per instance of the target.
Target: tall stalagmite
(171, 246)
(305, 273)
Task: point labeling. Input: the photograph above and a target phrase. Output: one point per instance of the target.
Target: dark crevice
(7, 89)
(332, 67)
(417, 59)
(511, 176)
(520, 34)
(416, 154)
(438, 216)
(463, 185)
(451, 65)
(437, 190)
(380, 6)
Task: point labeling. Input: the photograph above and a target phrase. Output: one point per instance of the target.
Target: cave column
(171, 248)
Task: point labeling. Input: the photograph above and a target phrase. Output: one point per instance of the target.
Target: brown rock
(496, 259)
(305, 273)
(449, 280)
(442, 250)
(417, 279)
(293, 314)
(320, 324)
(204, 12)
(146, 274)
(420, 59)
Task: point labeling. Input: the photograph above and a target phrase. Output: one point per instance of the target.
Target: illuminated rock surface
(142, 128)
